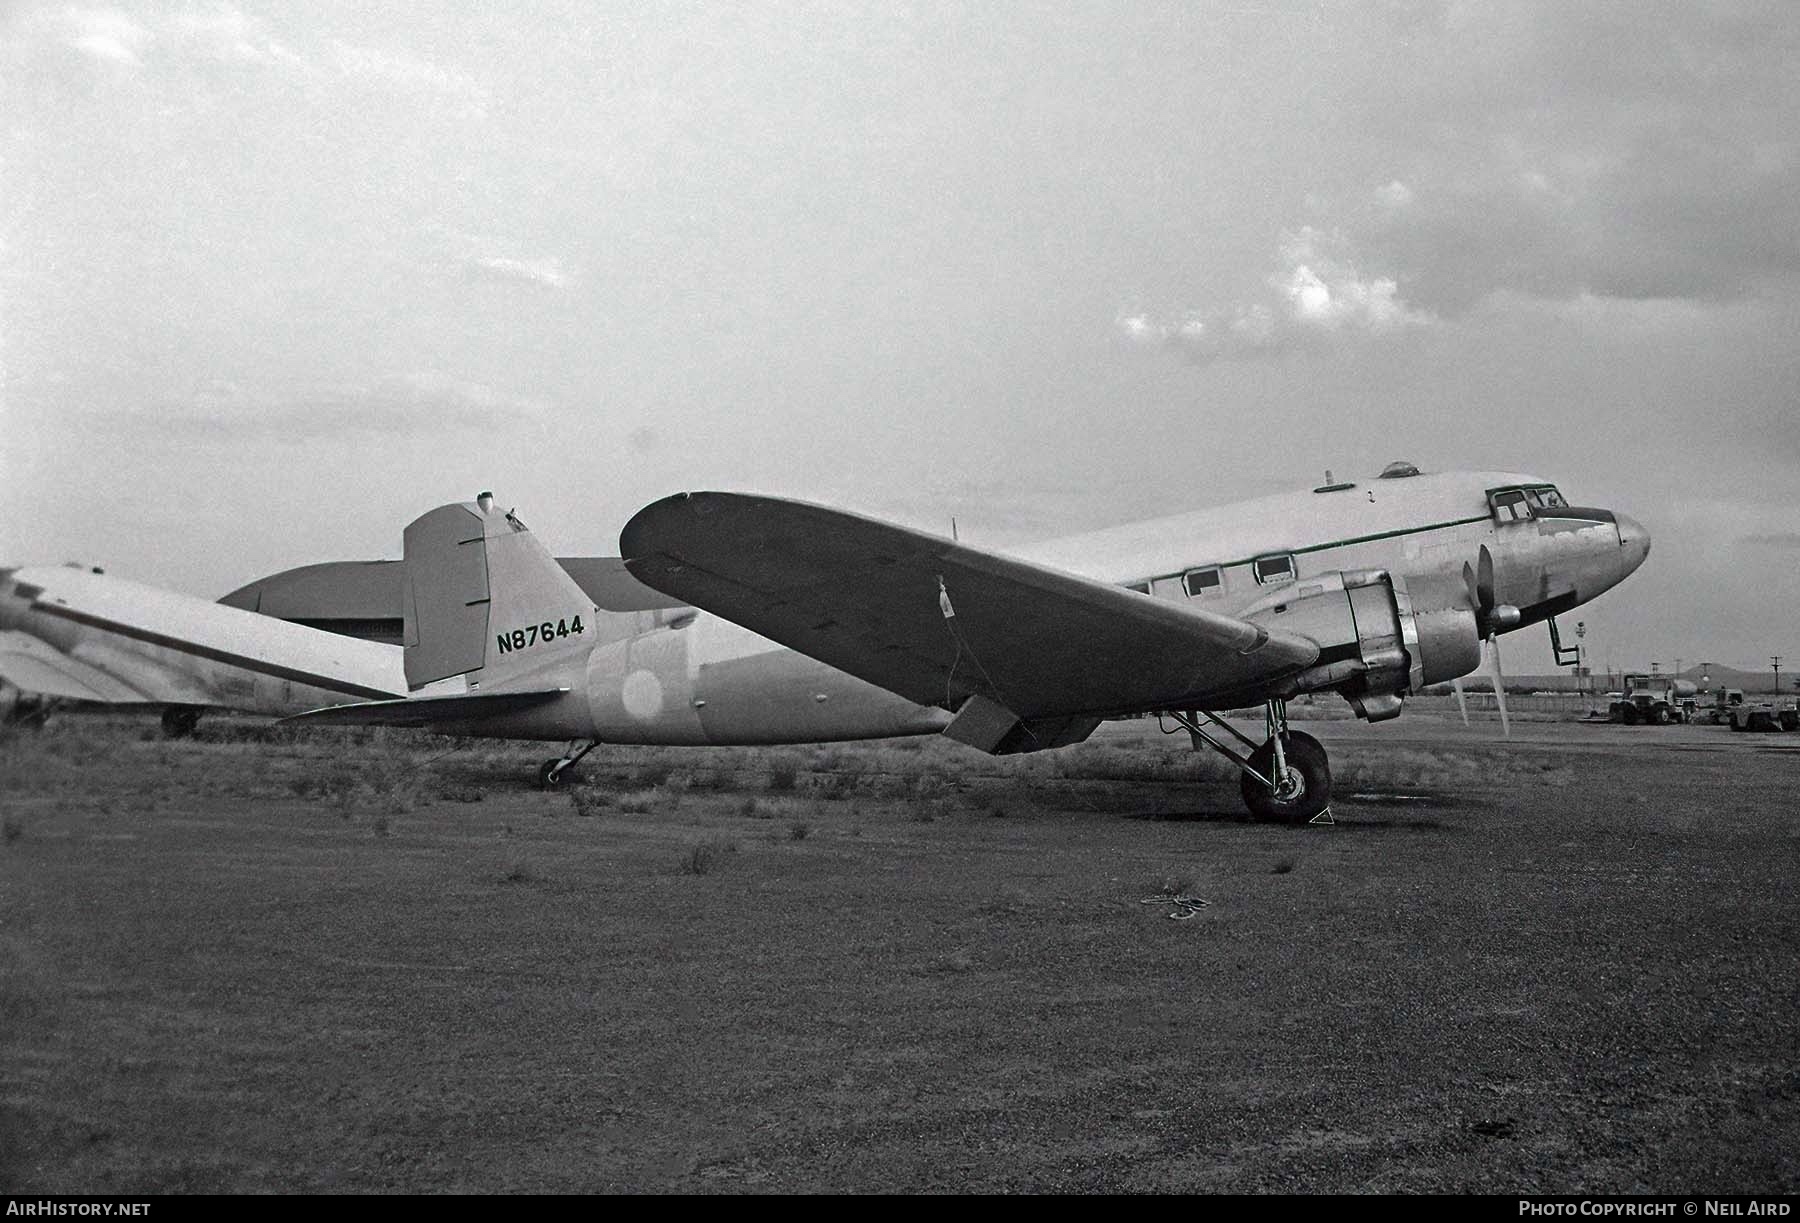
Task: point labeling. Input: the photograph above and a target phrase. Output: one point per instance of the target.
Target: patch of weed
(703, 857)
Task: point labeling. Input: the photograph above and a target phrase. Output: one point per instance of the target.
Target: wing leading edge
(939, 622)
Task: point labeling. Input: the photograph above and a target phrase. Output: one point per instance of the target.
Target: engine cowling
(1375, 644)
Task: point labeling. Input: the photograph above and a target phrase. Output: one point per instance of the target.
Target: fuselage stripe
(1336, 543)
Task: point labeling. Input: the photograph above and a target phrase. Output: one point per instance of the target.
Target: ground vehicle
(1654, 699)
(1724, 700)
(1732, 707)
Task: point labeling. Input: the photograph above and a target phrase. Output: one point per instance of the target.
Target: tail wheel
(1299, 796)
(552, 774)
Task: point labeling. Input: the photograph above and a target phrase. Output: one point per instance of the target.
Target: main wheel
(1302, 794)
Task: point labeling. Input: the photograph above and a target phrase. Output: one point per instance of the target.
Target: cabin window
(1274, 568)
(1207, 581)
(1510, 506)
(1548, 497)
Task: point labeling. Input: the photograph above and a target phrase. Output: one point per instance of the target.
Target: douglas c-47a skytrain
(828, 625)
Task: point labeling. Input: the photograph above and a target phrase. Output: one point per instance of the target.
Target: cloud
(544, 273)
(1552, 150)
(1318, 298)
(105, 34)
(405, 72)
(419, 402)
(1395, 195)
(1785, 541)
(225, 35)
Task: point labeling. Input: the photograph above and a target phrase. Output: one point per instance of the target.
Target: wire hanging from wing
(962, 648)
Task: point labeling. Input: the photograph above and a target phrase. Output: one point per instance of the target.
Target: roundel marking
(642, 695)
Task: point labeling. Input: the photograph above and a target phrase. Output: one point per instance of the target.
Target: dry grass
(1568, 966)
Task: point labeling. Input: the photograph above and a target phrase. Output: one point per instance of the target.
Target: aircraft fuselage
(698, 679)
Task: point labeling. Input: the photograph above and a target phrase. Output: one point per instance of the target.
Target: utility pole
(1776, 659)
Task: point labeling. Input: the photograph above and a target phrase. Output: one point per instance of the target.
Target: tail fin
(485, 599)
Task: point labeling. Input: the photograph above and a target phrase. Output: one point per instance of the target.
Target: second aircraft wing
(939, 622)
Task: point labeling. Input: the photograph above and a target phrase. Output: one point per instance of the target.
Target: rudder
(484, 599)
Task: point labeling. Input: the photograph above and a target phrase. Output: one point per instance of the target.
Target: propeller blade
(1462, 706)
(1499, 685)
(1484, 580)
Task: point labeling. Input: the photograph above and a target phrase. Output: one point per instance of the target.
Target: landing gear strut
(1286, 779)
(554, 773)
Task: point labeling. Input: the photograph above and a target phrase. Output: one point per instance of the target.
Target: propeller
(1493, 646)
(1491, 619)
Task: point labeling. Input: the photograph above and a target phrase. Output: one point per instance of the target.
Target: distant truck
(1653, 700)
(1731, 706)
(1724, 700)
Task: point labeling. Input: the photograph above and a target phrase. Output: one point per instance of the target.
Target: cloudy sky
(276, 278)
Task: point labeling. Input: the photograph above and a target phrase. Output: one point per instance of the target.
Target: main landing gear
(554, 773)
(1286, 779)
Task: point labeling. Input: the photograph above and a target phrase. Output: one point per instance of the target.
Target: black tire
(550, 777)
(1308, 770)
(1661, 716)
(1629, 715)
(1790, 720)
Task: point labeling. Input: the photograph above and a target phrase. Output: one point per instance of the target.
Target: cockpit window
(1550, 497)
(1274, 568)
(1509, 505)
(1208, 581)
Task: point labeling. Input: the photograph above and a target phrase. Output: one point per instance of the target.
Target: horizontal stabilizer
(428, 710)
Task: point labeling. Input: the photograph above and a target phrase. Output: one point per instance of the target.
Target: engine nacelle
(1374, 646)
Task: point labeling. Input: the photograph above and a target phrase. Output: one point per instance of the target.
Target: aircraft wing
(34, 666)
(938, 622)
(122, 611)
